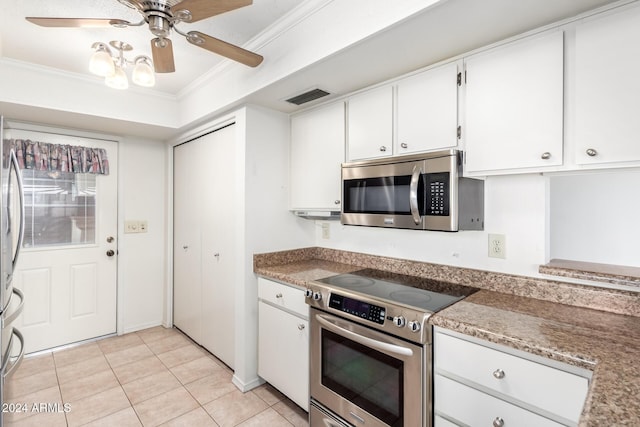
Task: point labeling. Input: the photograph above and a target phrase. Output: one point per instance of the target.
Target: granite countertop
(607, 343)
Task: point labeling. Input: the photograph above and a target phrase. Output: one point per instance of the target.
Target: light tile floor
(153, 377)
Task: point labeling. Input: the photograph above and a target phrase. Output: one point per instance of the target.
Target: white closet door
(218, 244)
(204, 241)
(187, 273)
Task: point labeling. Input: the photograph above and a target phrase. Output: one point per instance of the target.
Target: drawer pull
(498, 422)
(300, 326)
(278, 295)
(498, 374)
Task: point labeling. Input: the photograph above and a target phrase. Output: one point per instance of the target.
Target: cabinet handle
(404, 145)
(300, 326)
(498, 422)
(546, 155)
(337, 202)
(383, 148)
(278, 295)
(591, 152)
(498, 374)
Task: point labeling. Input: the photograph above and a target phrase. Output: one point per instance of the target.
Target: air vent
(308, 96)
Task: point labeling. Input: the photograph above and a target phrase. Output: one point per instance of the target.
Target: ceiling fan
(162, 16)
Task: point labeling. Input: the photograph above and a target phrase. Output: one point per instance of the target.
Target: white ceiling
(69, 49)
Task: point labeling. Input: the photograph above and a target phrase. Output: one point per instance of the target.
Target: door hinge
(459, 79)
(459, 132)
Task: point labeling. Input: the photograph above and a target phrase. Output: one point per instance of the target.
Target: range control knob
(414, 326)
(317, 296)
(308, 293)
(399, 321)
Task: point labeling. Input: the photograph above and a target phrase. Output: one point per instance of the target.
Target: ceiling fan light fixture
(117, 80)
(142, 74)
(101, 63)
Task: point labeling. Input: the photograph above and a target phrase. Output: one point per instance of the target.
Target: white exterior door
(69, 285)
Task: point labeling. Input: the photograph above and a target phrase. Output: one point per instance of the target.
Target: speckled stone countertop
(593, 328)
(614, 274)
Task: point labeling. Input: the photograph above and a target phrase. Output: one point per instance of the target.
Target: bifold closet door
(204, 240)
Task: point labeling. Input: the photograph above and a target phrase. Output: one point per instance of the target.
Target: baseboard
(246, 386)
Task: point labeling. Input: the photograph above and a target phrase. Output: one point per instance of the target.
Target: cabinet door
(283, 352)
(514, 106)
(317, 152)
(607, 90)
(427, 110)
(370, 124)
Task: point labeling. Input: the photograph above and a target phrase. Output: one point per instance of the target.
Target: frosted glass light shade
(118, 80)
(101, 63)
(142, 74)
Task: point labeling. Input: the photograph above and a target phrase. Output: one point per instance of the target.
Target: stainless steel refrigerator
(11, 234)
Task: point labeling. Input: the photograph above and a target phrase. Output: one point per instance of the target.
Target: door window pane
(59, 208)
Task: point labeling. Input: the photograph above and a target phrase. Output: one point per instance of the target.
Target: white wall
(596, 217)
(142, 257)
(514, 206)
(267, 225)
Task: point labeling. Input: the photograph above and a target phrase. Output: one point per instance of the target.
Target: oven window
(384, 195)
(366, 377)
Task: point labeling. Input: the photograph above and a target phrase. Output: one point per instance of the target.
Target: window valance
(59, 157)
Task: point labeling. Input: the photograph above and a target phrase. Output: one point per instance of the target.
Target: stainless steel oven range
(370, 349)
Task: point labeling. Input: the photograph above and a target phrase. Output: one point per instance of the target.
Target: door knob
(110, 252)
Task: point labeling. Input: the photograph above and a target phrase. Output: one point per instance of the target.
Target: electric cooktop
(423, 294)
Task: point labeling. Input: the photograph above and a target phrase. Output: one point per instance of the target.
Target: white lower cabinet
(480, 383)
(283, 340)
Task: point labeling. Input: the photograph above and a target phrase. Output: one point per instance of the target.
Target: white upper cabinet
(370, 124)
(514, 106)
(607, 90)
(317, 152)
(427, 110)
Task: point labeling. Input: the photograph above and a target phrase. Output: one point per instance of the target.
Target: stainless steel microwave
(422, 191)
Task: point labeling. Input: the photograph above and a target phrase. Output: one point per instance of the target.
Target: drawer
(438, 421)
(280, 295)
(554, 390)
(472, 407)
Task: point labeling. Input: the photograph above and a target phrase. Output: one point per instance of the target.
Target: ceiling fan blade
(201, 9)
(78, 22)
(162, 52)
(223, 48)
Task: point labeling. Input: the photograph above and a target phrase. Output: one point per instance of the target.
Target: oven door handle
(413, 194)
(364, 340)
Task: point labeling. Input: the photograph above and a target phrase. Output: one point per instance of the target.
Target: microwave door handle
(14, 162)
(366, 341)
(413, 194)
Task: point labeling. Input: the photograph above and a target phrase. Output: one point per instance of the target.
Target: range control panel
(363, 310)
(392, 318)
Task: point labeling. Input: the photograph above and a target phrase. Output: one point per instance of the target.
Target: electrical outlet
(497, 248)
(326, 231)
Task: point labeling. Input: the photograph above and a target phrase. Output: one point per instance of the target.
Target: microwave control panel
(437, 203)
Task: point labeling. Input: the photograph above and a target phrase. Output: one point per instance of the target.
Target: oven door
(367, 377)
